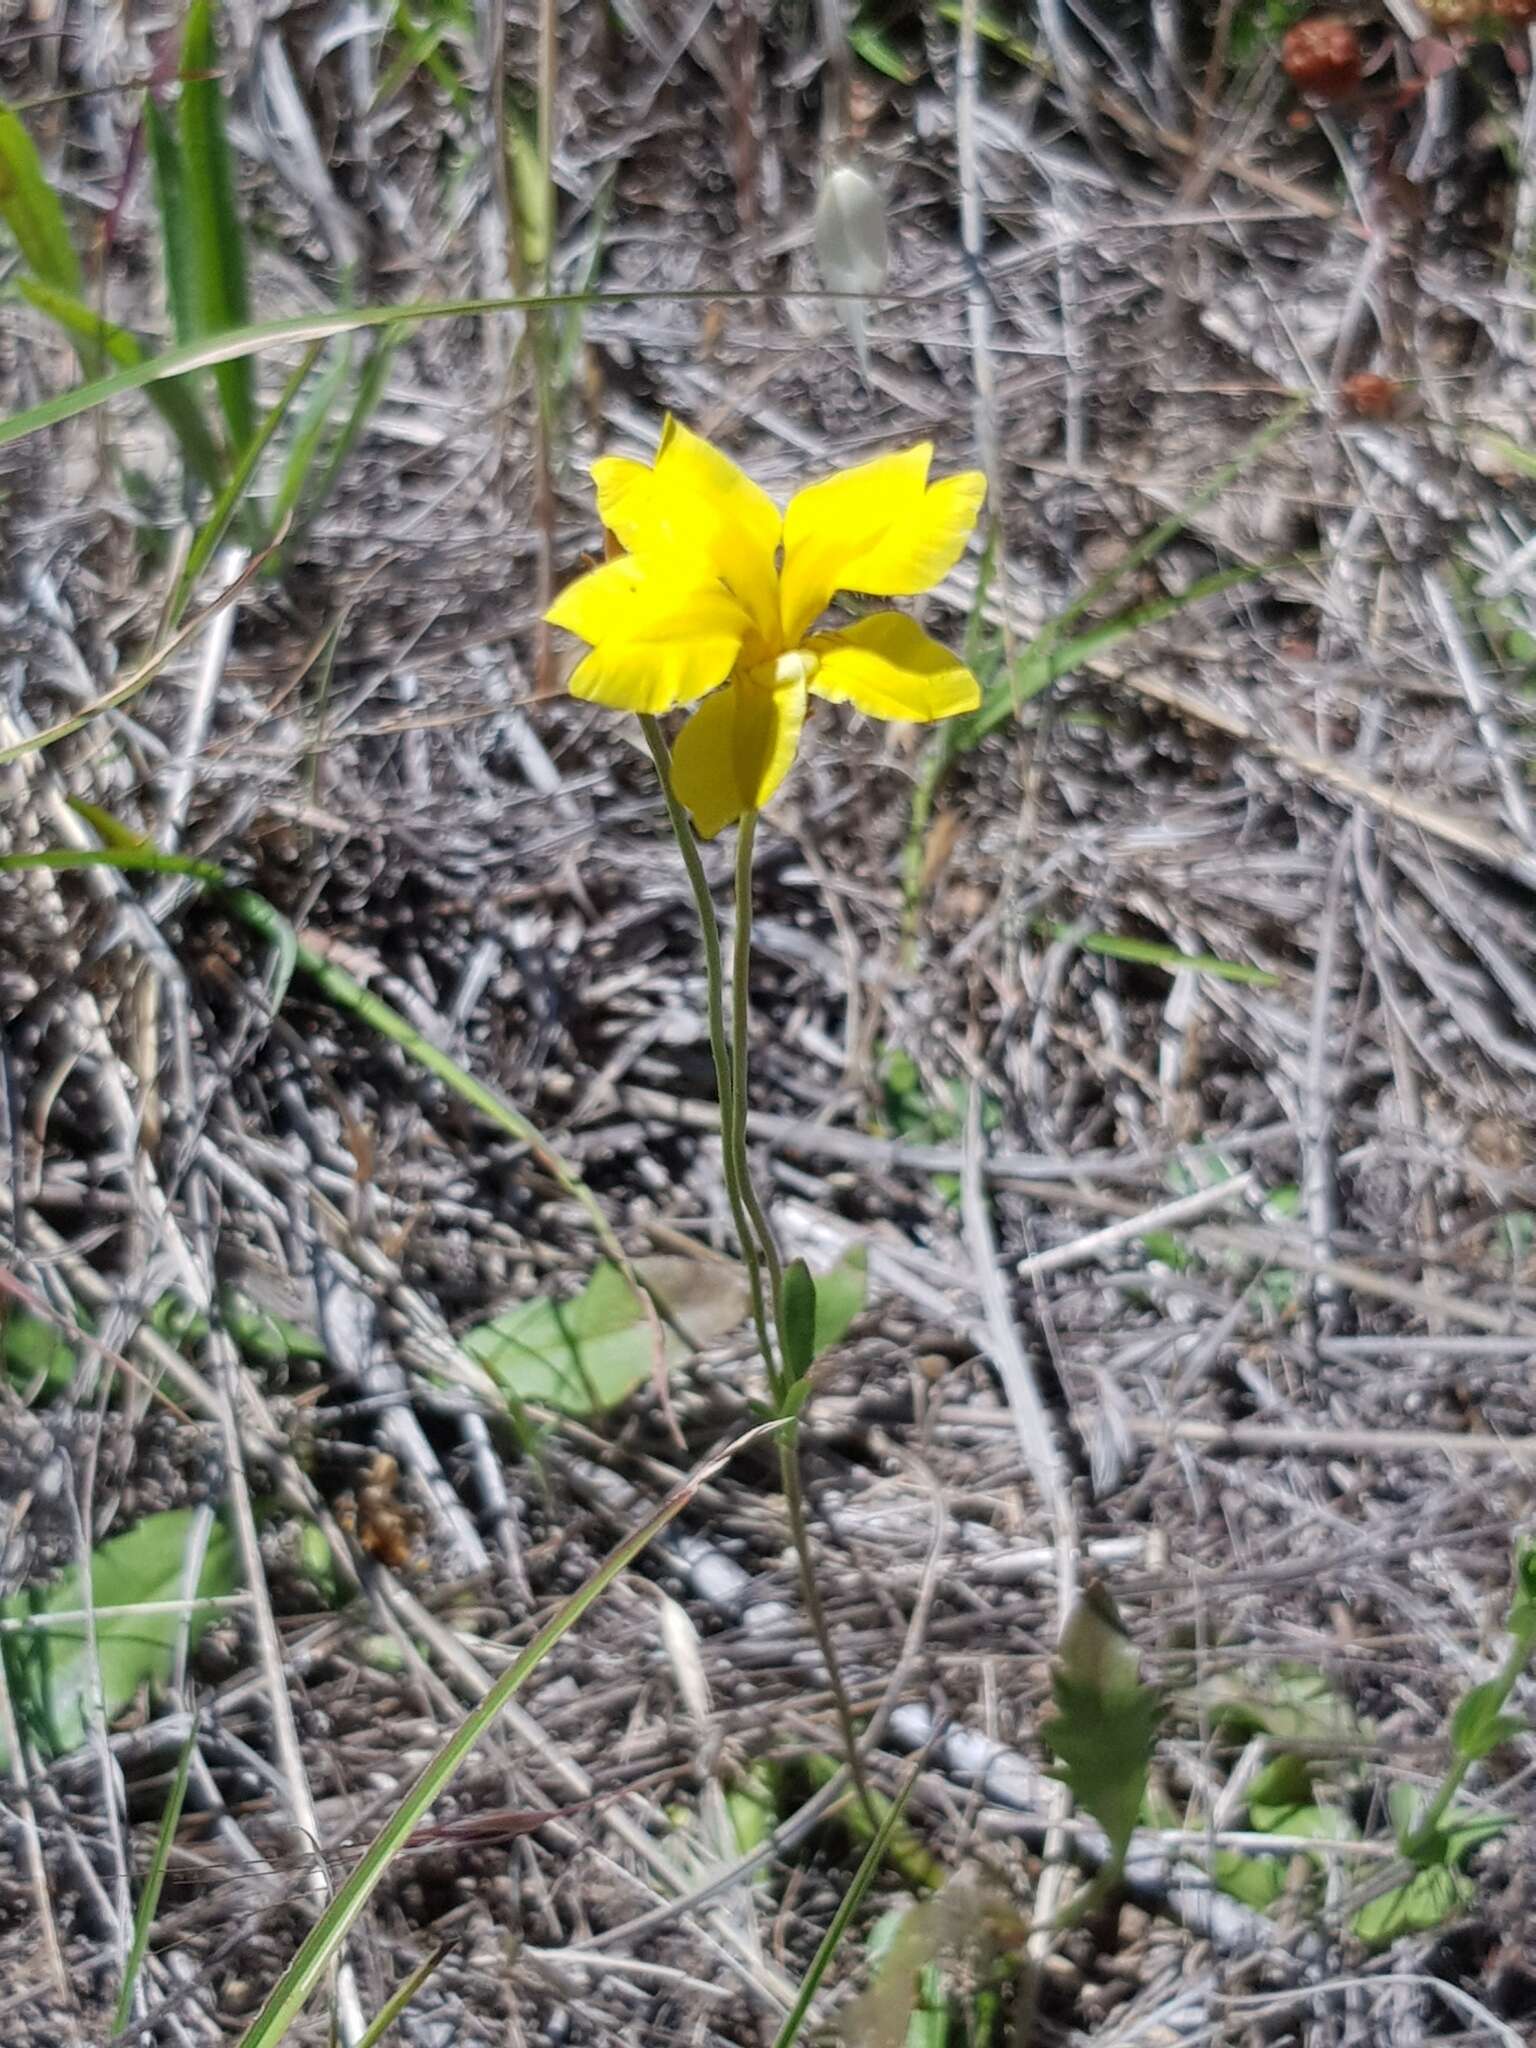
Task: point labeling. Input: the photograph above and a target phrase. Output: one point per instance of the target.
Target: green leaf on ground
(50, 1670)
(1428, 1900)
(587, 1355)
(1451, 1842)
(1282, 1801)
(1292, 1703)
(1255, 1881)
(39, 1359)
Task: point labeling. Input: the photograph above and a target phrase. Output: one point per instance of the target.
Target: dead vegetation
(1212, 1283)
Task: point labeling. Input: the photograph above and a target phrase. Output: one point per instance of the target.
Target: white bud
(852, 248)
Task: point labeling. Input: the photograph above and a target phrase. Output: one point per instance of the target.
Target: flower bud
(852, 248)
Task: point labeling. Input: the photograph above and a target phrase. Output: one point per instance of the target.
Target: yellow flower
(716, 587)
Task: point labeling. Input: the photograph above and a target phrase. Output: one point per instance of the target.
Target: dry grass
(1282, 1445)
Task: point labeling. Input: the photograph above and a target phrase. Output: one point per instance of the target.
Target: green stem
(725, 1077)
(1504, 1682)
(741, 1017)
(735, 1129)
(752, 1226)
(816, 1614)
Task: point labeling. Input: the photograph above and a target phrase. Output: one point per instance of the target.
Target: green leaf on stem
(1522, 1612)
(799, 1332)
(1106, 1721)
(1479, 1725)
(39, 1359)
(840, 1297)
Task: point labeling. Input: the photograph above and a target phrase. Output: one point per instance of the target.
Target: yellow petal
(623, 496)
(696, 511)
(657, 644)
(601, 604)
(735, 751)
(888, 667)
(881, 528)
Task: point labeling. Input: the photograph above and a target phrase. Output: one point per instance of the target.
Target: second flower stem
(741, 1018)
(726, 1087)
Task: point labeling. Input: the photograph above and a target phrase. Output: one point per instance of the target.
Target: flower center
(788, 670)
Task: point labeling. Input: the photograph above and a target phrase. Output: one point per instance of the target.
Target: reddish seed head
(1369, 396)
(1322, 57)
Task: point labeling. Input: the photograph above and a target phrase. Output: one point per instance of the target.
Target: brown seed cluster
(1322, 58)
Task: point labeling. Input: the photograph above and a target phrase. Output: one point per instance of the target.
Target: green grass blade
(325, 1938)
(1157, 538)
(171, 204)
(229, 500)
(1051, 657)
(399, 2000)
(370, 389)
(148, 860)
(174, 399)
(847, 1906)
(142, 676)
(30, 209)
(1156, 953)
(421, 49)
(250, 341)
(149, 1898)
(215, 253)
(309, 432)
(371, 1010)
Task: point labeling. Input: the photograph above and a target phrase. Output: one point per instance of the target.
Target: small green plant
(1102, 1731)
(1309, 1789)
(926, 1114)
(1436, 1835)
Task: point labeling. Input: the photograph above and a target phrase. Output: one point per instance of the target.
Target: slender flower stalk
(725, 1075)
(741, 1017)
(715, 595)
